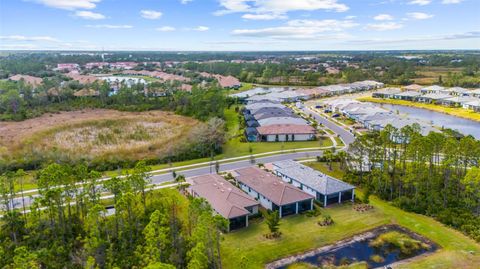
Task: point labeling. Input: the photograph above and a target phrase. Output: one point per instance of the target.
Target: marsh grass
(128, 137)
(396, 240)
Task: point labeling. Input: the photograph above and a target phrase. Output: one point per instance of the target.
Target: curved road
(167, 177)
(346, 136)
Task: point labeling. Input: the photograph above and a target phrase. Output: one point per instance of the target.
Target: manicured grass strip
(454, 111)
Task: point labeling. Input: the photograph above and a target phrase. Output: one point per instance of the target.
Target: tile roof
(270, 186)
(285, 129)
(226, 199)
(312, 178)
(31, 80)
(282, 120)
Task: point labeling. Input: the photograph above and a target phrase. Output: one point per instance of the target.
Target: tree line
(68, 225)
(436, 175)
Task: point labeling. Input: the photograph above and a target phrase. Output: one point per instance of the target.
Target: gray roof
(312, 178)
(408, 94)
(281, 120)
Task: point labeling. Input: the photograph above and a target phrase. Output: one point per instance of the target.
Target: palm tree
(328, 154)
(180, 180)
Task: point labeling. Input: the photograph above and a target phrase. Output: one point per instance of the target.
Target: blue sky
(239, 24)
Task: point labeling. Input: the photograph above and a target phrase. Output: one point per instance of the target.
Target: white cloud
(151, 14)
(28, 38)
(109, 26)
(264, 17)
(70, 4)
(466, 35)
(384, 26)
(200, 28)
(351, 17)
(278, 7)
(383, 17)
(165, 29)
(420, 2)
(300, 29)
(185, 1)
(419, 16)
(89, 15)
(447, 2)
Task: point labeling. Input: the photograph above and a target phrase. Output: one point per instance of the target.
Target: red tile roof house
(30, 80)
(228, 82)
(226, 199)
(286, 132)
(272, 192)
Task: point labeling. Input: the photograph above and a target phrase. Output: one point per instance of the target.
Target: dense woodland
(69, 227)
(436, 175)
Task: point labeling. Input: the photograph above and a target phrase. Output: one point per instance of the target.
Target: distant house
(96, 65)
(455, 91)
(286, 132)
(473, 105)
(413, 87)
(30, 80)
(407, 95)
(82, 79)
(432, 89)
(272, 192)
(457, 100)
(324, 188)
(228, 82)
(433, 97)
(68, 67)
(474, 93)
(386, 93)
(123, 65)
(224, 198)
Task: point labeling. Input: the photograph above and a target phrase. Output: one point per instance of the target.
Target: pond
(464, 126)
(380, 247)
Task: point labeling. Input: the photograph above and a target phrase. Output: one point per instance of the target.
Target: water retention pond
(379, 247)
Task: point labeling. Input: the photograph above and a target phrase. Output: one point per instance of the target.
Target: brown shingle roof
(271, 186)
(226, 199)
(285, 129)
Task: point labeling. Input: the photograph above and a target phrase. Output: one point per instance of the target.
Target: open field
(91, 134)
(455, 111)
(430, 74)
(301, 233)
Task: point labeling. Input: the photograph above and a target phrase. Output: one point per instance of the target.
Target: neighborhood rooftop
(226, 199)
(270, 186)
(314, 179)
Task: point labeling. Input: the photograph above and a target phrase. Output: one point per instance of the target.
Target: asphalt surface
(346, 136)
(167, 177)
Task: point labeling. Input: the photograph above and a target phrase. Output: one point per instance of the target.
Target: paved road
(166, 177)
(346, 136)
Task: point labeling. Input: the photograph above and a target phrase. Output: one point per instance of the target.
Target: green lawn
(301, 233)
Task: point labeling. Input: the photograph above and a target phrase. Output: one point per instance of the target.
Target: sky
(243, 25)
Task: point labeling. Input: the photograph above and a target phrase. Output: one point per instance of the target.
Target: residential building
(30, 80)
(432, 89)
(272, 193)
(407, 95)
(324, 188)
(224, 198)
(386, 93)
(286, 132)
